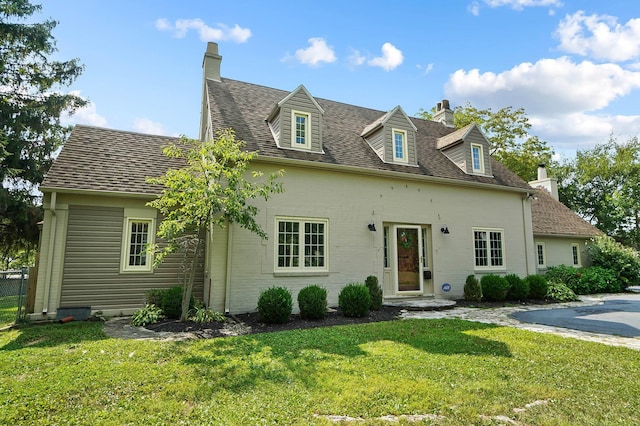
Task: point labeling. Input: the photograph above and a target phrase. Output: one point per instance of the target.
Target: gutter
(52, 240)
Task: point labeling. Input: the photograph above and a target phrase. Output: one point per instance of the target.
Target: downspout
(524, 230)
(227, 285)
(52, 242)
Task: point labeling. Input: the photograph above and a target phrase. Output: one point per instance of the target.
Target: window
(302, 244)
(386, 247)
(575, 254)
(477, 158)
(300, 137)
(138, 233)
(425, 258)
(399, 145)
(488, 248)
(540, 252)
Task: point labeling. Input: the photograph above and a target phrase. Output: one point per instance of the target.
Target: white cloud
(355, 59)
(87, 115)
(144, 125)
(391, 58)
(223, 32)
(521, 4)
(317, 52)
(474, 8)
(427, 68)
(600, 36)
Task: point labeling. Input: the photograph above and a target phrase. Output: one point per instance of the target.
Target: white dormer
(296, 122)
(468, 148)
(393, 138)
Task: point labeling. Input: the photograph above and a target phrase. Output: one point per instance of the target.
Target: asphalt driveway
(616, 315)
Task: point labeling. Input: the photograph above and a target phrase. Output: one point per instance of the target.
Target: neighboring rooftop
(553, 219)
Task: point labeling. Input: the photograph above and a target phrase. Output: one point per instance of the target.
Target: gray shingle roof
(552, 218)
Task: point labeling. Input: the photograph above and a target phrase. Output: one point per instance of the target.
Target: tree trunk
(188, 288)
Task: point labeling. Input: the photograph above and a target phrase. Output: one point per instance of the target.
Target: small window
(425, 253)
(488, 248)
(302, 244)
(477, 158)
(541, 255)
(300, 137)
(400, 145)
(575, 254)
(138, 233)
(386, 247)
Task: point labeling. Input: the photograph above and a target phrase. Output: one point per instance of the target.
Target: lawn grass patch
(8, 310)
(459, 370)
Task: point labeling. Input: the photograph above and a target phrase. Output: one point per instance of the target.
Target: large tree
(211, 189)
(508, 132)
(31, 103)
(602, 184)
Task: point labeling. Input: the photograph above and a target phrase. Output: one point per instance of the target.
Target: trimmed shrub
(494, 287)
(472, 289)
(518, 288)
(375, 291)
(275, 305)
(154, 296)
(537, 286)
(560, 293)
(604, 251)
(312, 301)
(354, 300)
(567, 275)
(149, 314)
(596, 279)
(169, 300)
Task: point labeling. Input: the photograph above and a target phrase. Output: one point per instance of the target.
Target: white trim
(405, 144)
(394, 240)
(480, 158)
(126, 243)
(576, 247)
(489, 267)
(307, 130)
(301, 268)
(542, 265)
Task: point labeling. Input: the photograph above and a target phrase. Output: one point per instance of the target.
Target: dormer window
(399, 145)
(300, 137)
(477, 158)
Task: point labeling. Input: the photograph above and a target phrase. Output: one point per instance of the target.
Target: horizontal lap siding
(300, 102)
(91, 275)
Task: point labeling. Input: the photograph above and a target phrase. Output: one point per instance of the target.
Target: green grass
(8, 310)
(73, 374)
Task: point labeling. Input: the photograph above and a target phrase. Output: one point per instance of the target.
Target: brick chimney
(546, 183)
(443, 114)
(211, 62)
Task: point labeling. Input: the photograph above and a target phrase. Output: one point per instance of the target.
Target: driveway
(616, 315)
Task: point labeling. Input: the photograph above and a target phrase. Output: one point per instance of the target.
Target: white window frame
(126, 243)
(540, 248)
(480, 158)
(307, 130)
(489, 265)
(575, 254)
(301, 267)
(405, 144)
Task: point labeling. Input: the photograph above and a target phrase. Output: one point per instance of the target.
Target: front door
(408, 259)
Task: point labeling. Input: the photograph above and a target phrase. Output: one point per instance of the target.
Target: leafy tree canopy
(210, 189)
(31, 104)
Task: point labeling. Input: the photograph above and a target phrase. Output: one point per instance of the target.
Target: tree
(210, 189)
(30, 108)
(508, 132)
(602, 184)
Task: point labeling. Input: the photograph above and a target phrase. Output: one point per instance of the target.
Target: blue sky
(573, 65)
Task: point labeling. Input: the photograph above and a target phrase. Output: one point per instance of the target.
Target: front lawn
(8, 310)
(442, 371)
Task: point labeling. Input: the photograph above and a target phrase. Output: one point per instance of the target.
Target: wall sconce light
(372, 227)
(444, 229)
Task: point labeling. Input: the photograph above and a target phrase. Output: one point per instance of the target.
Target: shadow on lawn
(295, 355)
(51, 335)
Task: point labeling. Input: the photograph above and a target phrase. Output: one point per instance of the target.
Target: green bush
(312, 301)
(201, 314)
(275, 305)
(560, 293)
(518, 288)
(494, 287)
(149, 314)
(169, 300)
(604, 251)
(537, 286)
(354, 300)
(567, 275)
(596, 279)
(472, 289)
(375, 291)
(154, 296)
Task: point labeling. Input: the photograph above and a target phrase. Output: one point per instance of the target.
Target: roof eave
(62, 190)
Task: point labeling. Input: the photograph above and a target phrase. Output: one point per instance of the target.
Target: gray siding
(397, 121)
(476, 138)
(301, 102)
(275, 126)
(91, 275)
(376, 141)
(457, 154)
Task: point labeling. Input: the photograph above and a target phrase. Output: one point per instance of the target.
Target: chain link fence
(13, 291)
